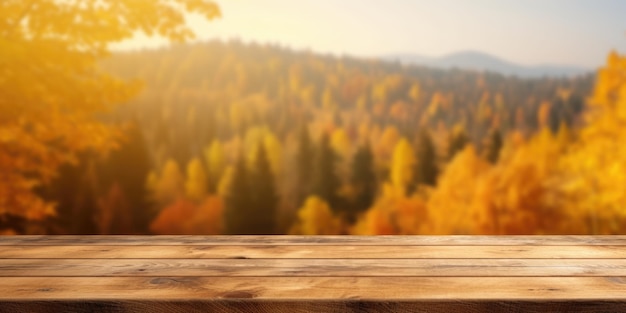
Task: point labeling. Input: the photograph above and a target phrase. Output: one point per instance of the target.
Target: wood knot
(166, 280)
(238, 294)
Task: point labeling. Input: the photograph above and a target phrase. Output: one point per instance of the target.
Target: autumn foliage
(51, 85)
(233, 138)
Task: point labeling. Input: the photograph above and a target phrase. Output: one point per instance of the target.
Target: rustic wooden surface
(312, 274)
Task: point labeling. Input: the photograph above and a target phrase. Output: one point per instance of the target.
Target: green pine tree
(238, 200)
(304, 165)
(129, 166)
(262, 214)
(457, 141)
(364, 180)
(493, 146)
(325, 181)
(426, 166)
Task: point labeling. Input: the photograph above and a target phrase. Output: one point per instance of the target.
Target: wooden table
(320, 274)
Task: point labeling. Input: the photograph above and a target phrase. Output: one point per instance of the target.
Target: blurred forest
(234, 138)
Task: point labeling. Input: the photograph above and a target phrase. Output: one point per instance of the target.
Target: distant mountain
(474, 60)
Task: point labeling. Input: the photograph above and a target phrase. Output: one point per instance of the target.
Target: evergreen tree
(457, 141)
(238, 200)
(304, 164)
(72, 190)
(262, 214)
(325, 180)
(129, 166)
(493, 146)
(426, 167)
(364, 180)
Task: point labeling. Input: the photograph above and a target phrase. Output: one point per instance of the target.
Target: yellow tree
(170, 185)
(384, 145)
(215, 162)
(519, 195)
(593, 173)
(402, 166)
(271, 143)
(522, 191)
(316, 218)
(450, 206)
(225, 181)
(393, 214)
(51, 86)
(414, 92)
(196, 184)
(340, 143)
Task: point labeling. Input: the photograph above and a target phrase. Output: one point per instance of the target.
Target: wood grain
(313, 267)
(119, 240)
(310, 251)
(343, 306)
(312, 274)
(314, 288)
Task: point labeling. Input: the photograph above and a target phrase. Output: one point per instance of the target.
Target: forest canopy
(226, 137)
(51, 84)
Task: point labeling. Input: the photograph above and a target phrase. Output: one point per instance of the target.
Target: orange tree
(51, 87)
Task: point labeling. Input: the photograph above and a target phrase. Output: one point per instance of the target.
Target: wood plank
(317, 251)
(345, 306)
(314, 288)
(314, 240)
(312, 267)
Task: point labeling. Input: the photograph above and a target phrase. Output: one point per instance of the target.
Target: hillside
(229, 132)
(480, 61)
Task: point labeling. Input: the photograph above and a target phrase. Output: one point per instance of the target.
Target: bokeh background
(312, 117)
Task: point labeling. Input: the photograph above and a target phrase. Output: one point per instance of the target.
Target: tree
(184, 217)
(52, 86)
(592, 173)
(128, 168)
(393, 214)
(304, 164)
(414, 92)
(316, 218)
(325, 181)
(262, 214)
(451, 206)
(170, 185)
(340, 142)
(72, 190)
(457, 141)
(196, 184)
(113, 216)
(493, 146)
(239, 200)
(426, 166)
(214, 157)
(363, 179)
(402, 166)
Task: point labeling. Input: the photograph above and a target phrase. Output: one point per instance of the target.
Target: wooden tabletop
(316, 273)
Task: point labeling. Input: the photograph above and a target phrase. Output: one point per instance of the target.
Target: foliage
(184, 217)
(51, 85)
(196, 184)
(316, 218)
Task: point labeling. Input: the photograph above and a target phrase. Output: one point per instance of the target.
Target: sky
(528, 32)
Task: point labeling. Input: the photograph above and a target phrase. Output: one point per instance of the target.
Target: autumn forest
(227, 137)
